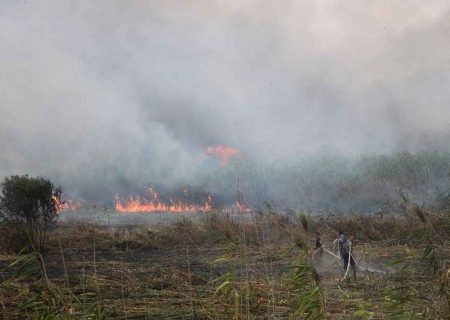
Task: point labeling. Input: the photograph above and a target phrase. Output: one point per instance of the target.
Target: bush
(30, 204)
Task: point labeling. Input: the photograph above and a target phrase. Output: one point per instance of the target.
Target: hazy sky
(136, 90)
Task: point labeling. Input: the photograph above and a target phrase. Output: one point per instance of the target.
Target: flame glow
(67, 205)
(241, 208)
(225, 154)
(141, 204)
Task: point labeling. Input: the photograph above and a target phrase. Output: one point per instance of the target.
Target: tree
(31, 204)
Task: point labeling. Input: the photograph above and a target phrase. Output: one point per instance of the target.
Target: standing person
(318, 240)
(342, 238)
(318, 250)
(347, 255)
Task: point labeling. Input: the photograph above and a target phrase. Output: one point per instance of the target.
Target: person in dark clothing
(342, 238)
(318, 250)
(347, 255)
(318, 241)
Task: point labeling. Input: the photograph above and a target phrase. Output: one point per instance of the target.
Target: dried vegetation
(260, 268)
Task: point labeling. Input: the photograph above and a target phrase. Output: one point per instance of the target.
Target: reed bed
(220, 268)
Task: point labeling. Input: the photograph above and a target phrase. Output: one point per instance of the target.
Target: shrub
(31, 204)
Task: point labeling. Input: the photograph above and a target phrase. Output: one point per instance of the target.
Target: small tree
(32, 205)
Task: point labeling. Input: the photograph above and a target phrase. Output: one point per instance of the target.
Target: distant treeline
(366, 183)
(328, 181)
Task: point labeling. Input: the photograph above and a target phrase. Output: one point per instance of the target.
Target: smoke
(106, 97)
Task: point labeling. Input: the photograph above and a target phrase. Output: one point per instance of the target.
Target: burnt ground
(220, 271)
(180, 283)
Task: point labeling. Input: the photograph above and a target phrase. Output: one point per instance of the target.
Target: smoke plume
(106, 97)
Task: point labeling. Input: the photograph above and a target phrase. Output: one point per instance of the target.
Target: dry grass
(174, 272)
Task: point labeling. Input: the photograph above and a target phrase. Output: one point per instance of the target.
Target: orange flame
(240, 207)
(67, 205)
(225, 154)
(140, 204)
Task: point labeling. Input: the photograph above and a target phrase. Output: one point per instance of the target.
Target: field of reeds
(261, 267)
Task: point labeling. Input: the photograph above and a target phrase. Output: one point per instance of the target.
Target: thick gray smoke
(106, 97)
